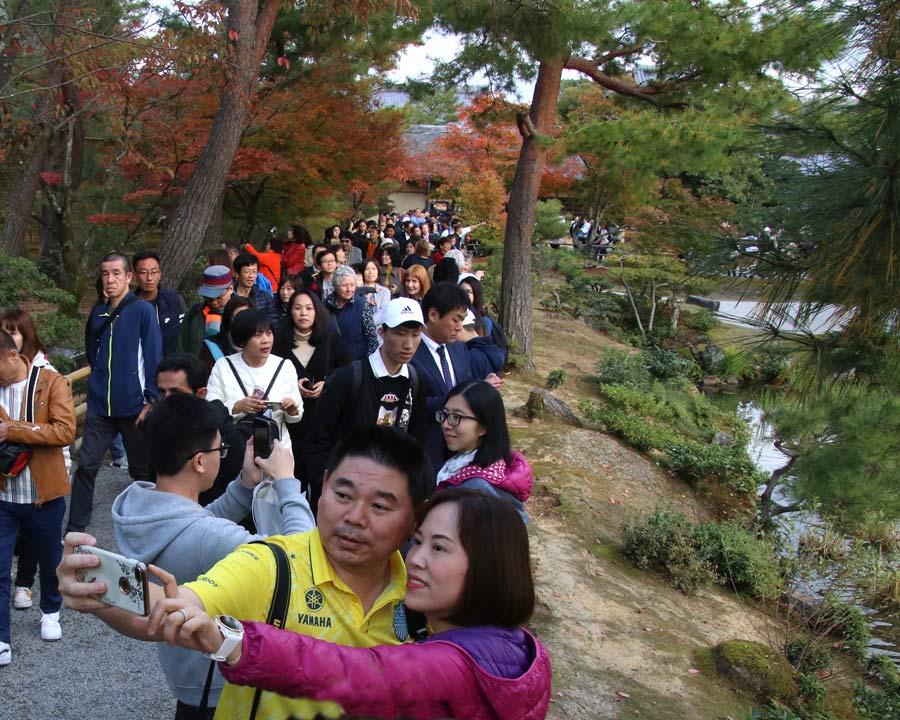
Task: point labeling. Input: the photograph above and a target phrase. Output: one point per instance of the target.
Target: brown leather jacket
(53, 428)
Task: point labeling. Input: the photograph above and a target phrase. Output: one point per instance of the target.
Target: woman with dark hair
(473, 421)
(309, 339)
(220, 344)
(332, 234)
(253, 380)
(20, 325)
(377, 295)
(469, 573)
(286, 290)
(389, 273)
(474, 289)
(416, 282)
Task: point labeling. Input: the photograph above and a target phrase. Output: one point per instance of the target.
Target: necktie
(445, 367)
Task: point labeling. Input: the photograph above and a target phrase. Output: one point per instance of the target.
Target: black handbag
(15, 456)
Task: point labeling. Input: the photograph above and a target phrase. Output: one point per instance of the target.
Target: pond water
(883, 624)
(743, 313)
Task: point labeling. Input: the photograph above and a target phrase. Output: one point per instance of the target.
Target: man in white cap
(204, 318)
(383, 389)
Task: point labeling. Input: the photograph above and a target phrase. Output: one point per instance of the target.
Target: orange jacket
(269, 264)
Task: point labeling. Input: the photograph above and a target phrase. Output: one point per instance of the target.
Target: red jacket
(294, 257)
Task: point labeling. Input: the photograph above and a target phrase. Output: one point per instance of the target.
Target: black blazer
(436, 393)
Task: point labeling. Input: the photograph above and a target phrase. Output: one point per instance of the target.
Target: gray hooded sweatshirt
(186, 539)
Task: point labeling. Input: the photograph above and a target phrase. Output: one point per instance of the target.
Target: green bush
(556, 378)
(691, 554)
(667, 542)
(741, 560)
(876, 705)
(666, 364)
(637, 431)
(694, 461)
(620, 367)
(773, 711)
(21, 281)
(811, 688)
(808, 656)
(846, 620)
(701, 321)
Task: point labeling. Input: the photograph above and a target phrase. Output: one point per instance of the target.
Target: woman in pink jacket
(469, 572)
(473, 421)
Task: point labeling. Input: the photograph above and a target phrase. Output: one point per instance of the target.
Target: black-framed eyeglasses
(222, 450)
(451, 418)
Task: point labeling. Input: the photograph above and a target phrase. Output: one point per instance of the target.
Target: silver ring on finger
(183, 614)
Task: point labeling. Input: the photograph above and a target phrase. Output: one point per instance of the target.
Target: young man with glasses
(169, 305)
(164, 523)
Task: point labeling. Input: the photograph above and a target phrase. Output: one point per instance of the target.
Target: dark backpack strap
(413, 379)
(237, 377)
(357, 377)
(281, 596)
(272, 381)
(29, 394)
(207, 686)
(92, 337)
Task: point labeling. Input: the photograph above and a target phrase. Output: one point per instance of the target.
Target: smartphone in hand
(125, 578)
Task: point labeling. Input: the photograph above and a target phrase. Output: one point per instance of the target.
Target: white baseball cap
(403, 310)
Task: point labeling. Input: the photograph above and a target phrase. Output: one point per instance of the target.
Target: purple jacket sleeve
(422, 680)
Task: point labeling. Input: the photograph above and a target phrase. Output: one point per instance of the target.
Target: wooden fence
(80, 407)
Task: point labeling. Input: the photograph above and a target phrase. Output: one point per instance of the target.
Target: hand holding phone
(265, 433)
(125, 578)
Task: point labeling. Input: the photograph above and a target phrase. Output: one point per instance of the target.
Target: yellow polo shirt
(321, 606)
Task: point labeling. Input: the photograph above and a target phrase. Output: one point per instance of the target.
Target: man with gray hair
(352, 314)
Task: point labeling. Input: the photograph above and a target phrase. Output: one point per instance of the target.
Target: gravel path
(92, 672)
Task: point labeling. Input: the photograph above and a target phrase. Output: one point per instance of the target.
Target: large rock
(758, 668)
(544, 405)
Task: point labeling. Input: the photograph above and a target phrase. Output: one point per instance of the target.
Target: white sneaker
(22, 598)
(50, 629)
(5, 653)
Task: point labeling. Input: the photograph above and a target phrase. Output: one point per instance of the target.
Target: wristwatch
(232, 636)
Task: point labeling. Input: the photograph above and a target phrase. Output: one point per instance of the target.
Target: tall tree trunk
(31, 159)
(204, 191)
(515, 293)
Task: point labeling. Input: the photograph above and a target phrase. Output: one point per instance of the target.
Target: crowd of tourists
(323, 488)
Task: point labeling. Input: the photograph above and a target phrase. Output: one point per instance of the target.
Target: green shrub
(741, 560)
(667, 542)
(734, 364)
(876, 705)
(773, 711)
(556, 378)
(808, 656)
(883, 669)
(810, 688)
(695, 461)
(637, 431)
(846, 620)
(21, 281)
(620, 367)
(701, 320)
(666, 364)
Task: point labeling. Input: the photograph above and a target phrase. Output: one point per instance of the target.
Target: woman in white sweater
(253, 380)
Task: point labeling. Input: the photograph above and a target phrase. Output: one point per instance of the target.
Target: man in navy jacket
(169, 305)
(124, 346)
(443, 361)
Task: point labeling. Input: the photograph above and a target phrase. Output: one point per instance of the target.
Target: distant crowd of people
(396, 580)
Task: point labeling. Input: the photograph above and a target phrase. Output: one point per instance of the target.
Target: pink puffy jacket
(515, 478)
(430, 679)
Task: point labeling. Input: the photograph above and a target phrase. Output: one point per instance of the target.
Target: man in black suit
(442, 361)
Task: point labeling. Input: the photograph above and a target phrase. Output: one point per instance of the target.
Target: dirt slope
(610, 628)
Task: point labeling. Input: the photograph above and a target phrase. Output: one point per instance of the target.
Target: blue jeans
(43, 525)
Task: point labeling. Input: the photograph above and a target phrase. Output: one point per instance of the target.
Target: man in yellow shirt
(347, 576)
